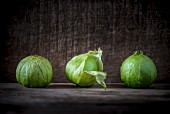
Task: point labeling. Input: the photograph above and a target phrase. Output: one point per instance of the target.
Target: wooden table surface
(68, 98)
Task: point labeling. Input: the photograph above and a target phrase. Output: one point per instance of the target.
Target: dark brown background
(61, 29)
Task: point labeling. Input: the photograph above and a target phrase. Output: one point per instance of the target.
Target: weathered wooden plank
(67, 98)
(61, 29)
(70, 93)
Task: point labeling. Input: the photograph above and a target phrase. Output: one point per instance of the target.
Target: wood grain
(61, 29)
(67, 98)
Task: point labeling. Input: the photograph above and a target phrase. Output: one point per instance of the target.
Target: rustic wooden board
(61, 29)
(68, 98)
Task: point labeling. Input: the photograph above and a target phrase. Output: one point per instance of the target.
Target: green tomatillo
(86, 69)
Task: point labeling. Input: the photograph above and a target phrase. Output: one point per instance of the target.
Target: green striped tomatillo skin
(34, 71)
(138, 71)
(86, 69)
